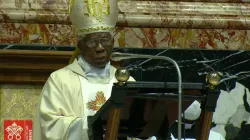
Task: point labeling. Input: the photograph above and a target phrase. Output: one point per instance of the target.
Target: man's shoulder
(63, 73)
(63, 79)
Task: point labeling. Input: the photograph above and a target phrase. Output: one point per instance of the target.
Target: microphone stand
(115, 56)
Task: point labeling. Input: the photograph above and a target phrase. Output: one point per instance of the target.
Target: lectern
(142, 109)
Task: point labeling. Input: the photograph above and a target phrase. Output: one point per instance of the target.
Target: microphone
(116, 56)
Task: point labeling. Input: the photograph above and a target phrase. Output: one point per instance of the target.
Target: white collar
(93, 72)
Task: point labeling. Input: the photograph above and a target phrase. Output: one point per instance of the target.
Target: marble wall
(216, 24)
(64, 35)
(224, 14)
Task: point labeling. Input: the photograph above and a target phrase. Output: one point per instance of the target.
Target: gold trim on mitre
(95, 29)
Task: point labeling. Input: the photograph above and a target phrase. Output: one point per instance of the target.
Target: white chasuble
(94, 95)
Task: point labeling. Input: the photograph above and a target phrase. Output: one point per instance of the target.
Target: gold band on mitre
(96, 29)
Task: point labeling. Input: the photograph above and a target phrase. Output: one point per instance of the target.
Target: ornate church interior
(190, 61)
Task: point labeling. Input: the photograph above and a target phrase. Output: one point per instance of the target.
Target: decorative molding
(30, 66)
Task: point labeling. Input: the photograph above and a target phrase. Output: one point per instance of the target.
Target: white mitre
(90, 16)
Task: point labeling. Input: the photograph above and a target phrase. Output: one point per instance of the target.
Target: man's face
(96, 48)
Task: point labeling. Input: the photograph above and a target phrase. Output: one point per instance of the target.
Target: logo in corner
(14, 131)
(17, 129)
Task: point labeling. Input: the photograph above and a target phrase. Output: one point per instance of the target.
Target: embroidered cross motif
(96, 104)
(97, 8)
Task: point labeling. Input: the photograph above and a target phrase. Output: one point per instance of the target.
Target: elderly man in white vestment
(81, 88)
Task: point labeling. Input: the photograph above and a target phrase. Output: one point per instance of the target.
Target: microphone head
(115, 56)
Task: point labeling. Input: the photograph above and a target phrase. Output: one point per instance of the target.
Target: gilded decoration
(97, 8)
(18, 102)
(96, 104)
(93, 29)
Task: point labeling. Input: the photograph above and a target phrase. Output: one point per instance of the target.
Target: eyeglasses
(95, 43)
